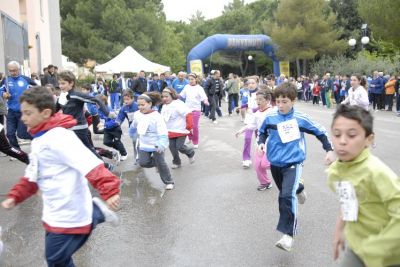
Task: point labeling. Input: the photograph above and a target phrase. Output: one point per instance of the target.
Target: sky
(184, 9)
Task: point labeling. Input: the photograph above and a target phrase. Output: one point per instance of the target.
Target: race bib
(288, 130)
(32, 170)
(142, 127)
(348, 201)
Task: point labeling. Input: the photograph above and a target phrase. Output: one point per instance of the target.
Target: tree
(347, 18)
(304, 29)
(382, 16)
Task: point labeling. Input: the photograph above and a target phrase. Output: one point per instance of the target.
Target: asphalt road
(213, 217)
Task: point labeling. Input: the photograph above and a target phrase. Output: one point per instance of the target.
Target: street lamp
(250, 57)
(364, 39)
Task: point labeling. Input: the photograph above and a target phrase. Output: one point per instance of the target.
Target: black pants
(7, 149)
(96, 122)
(214, 106)
(112, 138)
(389, 102)
(376, 101)
(83, 136)
(315, 100)
(177, 145)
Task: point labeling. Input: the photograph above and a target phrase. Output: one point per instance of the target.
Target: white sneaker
(195, 146)
(192, 160)
(246, 164)
(12, 159)
(302, 197)
(175, 166)
(109, 215)
(124, 157)
(215, 122)
(169, 187)
(285, 243)
(116, 157)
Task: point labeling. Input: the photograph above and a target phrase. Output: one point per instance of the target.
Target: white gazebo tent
(129, 60)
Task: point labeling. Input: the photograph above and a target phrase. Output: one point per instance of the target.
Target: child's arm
(262, 135)
(106, 183)
(379, 248)
(91, 99)
(338, 237)
(21, 191)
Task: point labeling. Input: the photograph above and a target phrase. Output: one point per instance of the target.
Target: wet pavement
(213, 217)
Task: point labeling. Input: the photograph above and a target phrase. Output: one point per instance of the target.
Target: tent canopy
(130, 61)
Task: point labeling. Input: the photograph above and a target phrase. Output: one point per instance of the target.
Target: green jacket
(232, 86)
(375, 236)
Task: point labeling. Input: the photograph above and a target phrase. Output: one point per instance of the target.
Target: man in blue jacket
(377, 87)
(11, 89)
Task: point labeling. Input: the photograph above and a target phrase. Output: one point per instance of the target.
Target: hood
(57, 120)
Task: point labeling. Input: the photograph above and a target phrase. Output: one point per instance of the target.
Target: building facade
(30, 34)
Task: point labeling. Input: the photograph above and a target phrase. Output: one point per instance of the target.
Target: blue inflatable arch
(231, 42)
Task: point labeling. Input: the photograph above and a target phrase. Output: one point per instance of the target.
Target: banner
(284, 68)
(196, 66)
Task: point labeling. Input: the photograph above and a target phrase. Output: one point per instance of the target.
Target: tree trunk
(305, 69)
(298, 67)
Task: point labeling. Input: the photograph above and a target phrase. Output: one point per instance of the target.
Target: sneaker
(116, 157)
(195, 146)
(125, 157)
(192, 160)
(246, 164)
(12, 159)
(302, 197)
(169, 187)
(175, 166)
(285, 243)
(109, 215)
(22, 142)
(263, 187)
(215, 121)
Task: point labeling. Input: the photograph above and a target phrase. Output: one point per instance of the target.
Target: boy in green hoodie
(369, 193)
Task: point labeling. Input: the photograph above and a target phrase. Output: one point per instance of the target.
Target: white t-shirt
(60, 162)
(174, 115)
(149, 127)
(358, 97)
(194, 95)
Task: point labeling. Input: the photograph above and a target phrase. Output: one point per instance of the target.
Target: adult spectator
(157, 85)
(163, 81)
(11, 89)
(50, 77)
(42, 81)
(131, 81)
(140, 84)
(179, 83)
(390, 90)
(376, 88)
(115, 90)
(168, 78)
(213, 90)
(233, 88)
(35, 78)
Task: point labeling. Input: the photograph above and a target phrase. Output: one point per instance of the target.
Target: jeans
(156, 159)
(287, 180)
(323, 98)
(16, 127)
(112, 138)
(177, 145)
(114, 101)
(59, 248)
(214, 100)
(194, 136)
(233, 102)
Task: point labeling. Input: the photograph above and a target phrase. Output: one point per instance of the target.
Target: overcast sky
(184, 9)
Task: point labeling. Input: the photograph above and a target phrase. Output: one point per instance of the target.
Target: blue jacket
(108, 122)
(92, 108)
(126, 112)
(377, 86)
(284, 154)
(16, 86)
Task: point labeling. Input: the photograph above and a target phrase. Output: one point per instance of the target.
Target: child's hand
(8, 204)
(330, 157)
(237, 134)
(206, 103)
(113, 202)
(338, 243)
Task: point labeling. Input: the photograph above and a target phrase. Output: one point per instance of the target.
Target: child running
(254, 122)
(284, 130)
(194, 94)
(178, 119)
(358, 95)
(127, 112)
(7, 149)
(153, 136)
(112, 133)
(369, 193)
(60, 166)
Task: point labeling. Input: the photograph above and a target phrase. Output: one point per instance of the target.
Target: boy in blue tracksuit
(126, 112)
(282, 136)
